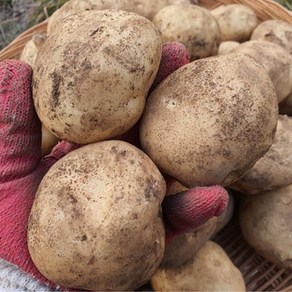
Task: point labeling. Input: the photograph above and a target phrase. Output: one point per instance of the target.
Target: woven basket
(259, 274)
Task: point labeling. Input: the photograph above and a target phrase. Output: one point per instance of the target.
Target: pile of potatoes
(223, 119)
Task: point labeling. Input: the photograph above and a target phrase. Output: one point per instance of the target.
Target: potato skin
(265, 222)
(274, 59)
(226, 47)
(184, 246)
(96, 221)
(275, 31)
(209, 270)
(146, 8)
(191, 25)
(274, 169)
(211, 120)
(102, 64)
(236, 21)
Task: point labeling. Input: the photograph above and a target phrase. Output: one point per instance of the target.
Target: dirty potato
(102, 64)
(275, 31)
(236, 21)
(274, 169)
(191, 25)
(211, 120)
(274, 59)
(265, 222)
(226, 47)
(146, 8)
(209, 270)
(96, 221)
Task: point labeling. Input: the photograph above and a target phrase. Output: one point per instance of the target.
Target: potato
(146, 8)
(265, 222)
(211, 120)
(236, 21)
(48, 141)
(275, 60)
(184, 246)
(102, 64)
(226, 47)
(174, 187)
(191, 25)
(274, 169)
(275, 31)
(209, 270)
(30, 50)
(96, 220)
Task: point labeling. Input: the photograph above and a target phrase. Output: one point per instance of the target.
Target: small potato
(236, 21)
(265, 222)
(96, 221)
(209, 270)
(30, 51)
(174, 187)
(184, 246)
(275, 31)
(226, 47)
(274, 169)
(191, 25)
(146, 8)
(274, 59)
(48, 141)
(211, 120)
(102, 64)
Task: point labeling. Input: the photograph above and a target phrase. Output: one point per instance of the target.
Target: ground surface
(17, 15)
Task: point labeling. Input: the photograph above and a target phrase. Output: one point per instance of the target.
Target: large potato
(209, 270)
(183, 247)
(191, 25)
(275, 31)
(274, 169)
(265, 222)
(146, 8)
(211, 120)
(236, 21)
(96, 221)
(274, 59)
(101, 66)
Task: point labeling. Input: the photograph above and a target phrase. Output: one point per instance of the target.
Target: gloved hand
(21, 170)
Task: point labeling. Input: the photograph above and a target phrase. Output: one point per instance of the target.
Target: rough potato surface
(211, 120)
(146, 8)
(265, 221)
(191, 25)
(275, 31)
(209, 270)
(96, 221)
(274, 59)
(236, 21)
(101, 66)
(274, 169)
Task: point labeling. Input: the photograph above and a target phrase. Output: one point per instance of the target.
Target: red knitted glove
(21, 171)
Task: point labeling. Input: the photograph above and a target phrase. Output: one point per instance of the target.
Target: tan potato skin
(184, 246)
(48, 141)
(96, 221)
(274, 169)
(265, 222)
(146, 8)
(191, 25)
(226, 47)
(211, 120)
(275, 31)
(236, 21)
(209, 270)
(274, 59)
(102, 64)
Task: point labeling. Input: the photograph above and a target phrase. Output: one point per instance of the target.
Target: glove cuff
(14, 279)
